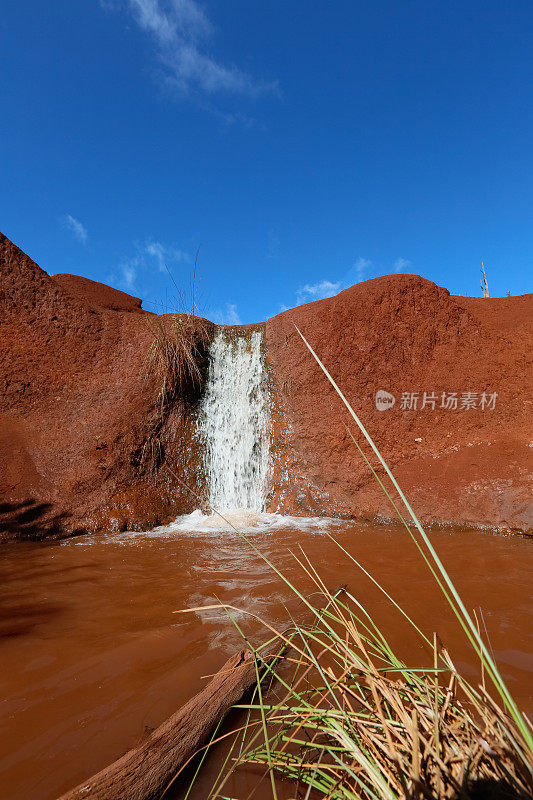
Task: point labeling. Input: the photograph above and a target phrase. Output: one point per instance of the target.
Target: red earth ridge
(78, 411)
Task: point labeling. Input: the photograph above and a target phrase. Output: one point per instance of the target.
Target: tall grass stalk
(455, 600)
(349, 719)
(354, 721)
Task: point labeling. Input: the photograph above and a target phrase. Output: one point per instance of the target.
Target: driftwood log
(144, 772)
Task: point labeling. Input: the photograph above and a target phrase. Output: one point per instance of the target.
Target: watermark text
(446, 401)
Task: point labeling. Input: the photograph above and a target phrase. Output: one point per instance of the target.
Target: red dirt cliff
(404, 334)
(77, 412)
(76, 408)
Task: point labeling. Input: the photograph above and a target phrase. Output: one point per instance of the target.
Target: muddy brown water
(92, 655)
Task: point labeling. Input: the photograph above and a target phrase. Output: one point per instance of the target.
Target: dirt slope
(77, 413)
(404, 334)
(75, 406)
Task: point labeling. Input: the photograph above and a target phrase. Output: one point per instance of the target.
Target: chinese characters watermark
(447, 401)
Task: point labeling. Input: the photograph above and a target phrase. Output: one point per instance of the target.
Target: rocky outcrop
(84, 437)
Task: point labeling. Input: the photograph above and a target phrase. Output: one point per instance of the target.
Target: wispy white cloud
(171, 19)
(179, 29)
(401, 264)
(124, 276)
(317, 291)
(160, 255)
(361, 269)
(129, 275)
(76, 227)
(150, 257)
(326, 288)
(227, 316)
(361, 266)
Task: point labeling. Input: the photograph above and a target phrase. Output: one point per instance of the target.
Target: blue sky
(300, 147)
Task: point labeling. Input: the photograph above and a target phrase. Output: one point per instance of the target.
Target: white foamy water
(233, 424)
(234, 522)
(242, 520)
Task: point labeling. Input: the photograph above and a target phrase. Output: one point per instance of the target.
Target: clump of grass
(176, 360)
(177, 355)
(356, 722)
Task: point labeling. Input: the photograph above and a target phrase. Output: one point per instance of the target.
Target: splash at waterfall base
(78, 415)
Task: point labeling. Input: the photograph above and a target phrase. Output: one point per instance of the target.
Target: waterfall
(233, 423)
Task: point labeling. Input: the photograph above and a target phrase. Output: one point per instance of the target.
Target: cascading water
(234, 425)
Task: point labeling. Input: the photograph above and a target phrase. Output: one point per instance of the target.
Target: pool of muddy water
(92, 654)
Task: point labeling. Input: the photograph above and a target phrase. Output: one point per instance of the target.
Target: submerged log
(144, 772)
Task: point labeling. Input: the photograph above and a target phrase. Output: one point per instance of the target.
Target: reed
(350, 719)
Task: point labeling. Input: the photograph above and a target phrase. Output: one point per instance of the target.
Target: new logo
(384, 400)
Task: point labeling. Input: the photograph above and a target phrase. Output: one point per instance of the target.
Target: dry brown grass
(356, 722)
(176, 361)
(177, 355)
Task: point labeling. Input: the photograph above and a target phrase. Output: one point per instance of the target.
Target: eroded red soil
(77, 410)
(404, 334)
(76, 406)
